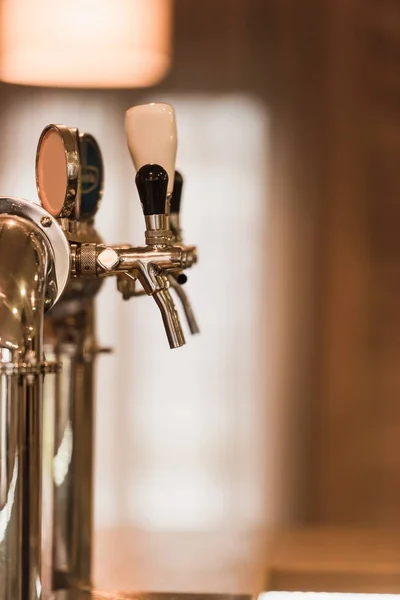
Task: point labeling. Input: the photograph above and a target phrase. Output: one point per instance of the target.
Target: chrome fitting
(174, 222)
(158, 237)
(158, 232)
(86, 260)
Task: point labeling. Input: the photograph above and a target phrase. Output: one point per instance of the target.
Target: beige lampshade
(85, 43)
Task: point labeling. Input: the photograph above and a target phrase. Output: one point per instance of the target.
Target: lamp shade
(85, 43)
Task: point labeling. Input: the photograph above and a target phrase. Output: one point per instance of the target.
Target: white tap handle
(152, 137)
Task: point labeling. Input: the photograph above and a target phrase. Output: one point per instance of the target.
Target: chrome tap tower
(52, 265)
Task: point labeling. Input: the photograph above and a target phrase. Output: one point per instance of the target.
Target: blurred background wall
(182, 437)
(285, 410)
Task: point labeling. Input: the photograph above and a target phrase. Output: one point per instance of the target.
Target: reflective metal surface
(158, 232)
(187, 307)
(170, 318)
(58, 246)
(72, 341)
(175, 226)
(151, 266)
(28, 282)
(69, 334)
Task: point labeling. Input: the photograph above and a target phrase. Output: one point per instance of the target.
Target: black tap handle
(152, 183)
(177, 193)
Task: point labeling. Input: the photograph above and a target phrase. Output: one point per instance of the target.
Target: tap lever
(177, 194)
(174, 221)
(152, 182)
(152, 137)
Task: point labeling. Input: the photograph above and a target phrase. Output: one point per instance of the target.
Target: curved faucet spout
(170, 318)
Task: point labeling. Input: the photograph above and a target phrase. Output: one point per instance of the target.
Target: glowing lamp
(85, 43)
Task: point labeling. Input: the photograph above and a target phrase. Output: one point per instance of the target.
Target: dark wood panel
(356, 469)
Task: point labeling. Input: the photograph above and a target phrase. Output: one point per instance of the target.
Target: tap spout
(170, 318)
(186, 305)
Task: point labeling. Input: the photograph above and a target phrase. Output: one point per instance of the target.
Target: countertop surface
(229, 562)
(217, 562)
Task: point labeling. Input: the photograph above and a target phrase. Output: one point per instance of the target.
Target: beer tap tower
(52, 265)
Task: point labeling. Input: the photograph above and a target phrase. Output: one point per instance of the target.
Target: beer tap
(151, 133)
(152, 138)
(70, 185)
(152, 182)
(178, 279)
(52, 265)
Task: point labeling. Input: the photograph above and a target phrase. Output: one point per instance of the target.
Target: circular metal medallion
(58, 172)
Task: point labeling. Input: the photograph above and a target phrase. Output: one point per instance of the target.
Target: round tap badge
(92, 175)
(58, 171)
